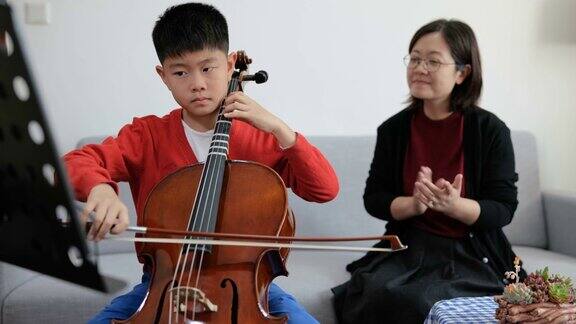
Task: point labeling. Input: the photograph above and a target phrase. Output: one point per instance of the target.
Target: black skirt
(401, 287)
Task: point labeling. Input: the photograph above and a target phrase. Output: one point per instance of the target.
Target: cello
(205, 283)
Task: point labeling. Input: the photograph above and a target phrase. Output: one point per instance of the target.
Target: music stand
(34, 207)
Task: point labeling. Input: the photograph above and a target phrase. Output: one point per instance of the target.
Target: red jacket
(150, 148)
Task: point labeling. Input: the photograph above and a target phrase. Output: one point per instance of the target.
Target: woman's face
(432, 72)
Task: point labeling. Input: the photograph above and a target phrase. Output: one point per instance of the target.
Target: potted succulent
(541, 298)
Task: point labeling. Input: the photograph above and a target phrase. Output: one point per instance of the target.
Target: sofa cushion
(344, 216)
(48, 300)
(528, 226)
(311, 275)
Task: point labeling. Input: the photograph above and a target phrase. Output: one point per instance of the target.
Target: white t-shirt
(199, 141)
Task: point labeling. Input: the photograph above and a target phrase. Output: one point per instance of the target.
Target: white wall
(335, 67)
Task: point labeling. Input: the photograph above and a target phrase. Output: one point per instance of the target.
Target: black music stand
(33, 206)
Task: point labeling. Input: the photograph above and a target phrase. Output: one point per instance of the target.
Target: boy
(191, 41)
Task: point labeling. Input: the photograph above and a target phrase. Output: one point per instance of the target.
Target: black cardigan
(490, 180)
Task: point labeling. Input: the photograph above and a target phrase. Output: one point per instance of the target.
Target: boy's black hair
(464, 49)
(189, 27)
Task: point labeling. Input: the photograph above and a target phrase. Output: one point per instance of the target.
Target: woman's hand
(420, 198)
(441, 196)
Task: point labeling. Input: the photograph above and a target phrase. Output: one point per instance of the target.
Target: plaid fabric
(463, 310)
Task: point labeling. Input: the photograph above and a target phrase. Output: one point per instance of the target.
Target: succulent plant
(543, 273)
(561, 292)
(539, 286)
(517, 293)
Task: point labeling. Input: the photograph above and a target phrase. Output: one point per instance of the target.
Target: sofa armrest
(560, 211)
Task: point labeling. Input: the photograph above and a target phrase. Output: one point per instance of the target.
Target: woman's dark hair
(464, 50)
(189, 27)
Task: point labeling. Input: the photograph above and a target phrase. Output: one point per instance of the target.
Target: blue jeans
(122, 307)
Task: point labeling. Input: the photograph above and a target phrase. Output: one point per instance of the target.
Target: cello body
(235, 279)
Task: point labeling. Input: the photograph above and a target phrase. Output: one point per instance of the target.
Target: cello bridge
(181, 296)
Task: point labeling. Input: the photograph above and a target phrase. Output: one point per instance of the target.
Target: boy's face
(198, 80)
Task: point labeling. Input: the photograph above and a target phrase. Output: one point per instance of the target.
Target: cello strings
(219, 161)
(223, 128)
(203, 217)
(210, 192)
(180, 261)
(199, 217)
(198, 198)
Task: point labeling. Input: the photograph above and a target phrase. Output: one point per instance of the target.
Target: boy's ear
(161, 73)
(231, 63)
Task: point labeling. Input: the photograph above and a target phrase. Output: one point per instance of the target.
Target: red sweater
(436, 144)
(150, 148)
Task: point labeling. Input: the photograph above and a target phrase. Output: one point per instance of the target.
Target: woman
(443, 178)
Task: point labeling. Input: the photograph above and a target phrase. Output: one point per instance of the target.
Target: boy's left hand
(238, 105)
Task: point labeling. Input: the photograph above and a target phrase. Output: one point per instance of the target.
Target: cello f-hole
(234, 311)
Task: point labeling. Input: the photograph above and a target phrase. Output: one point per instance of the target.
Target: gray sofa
(542, 234)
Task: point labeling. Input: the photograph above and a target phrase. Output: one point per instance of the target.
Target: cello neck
(205, 211)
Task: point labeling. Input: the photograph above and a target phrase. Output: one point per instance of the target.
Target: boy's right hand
(108, 211)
